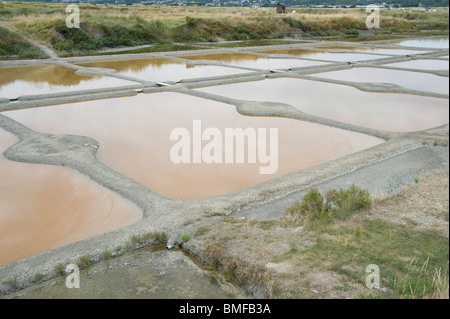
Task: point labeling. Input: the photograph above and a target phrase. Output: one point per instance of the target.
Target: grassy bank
(112, 26)
(13, 45)
(322, 246)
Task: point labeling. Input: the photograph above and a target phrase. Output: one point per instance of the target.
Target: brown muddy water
(323, 55)
(44, 207)
(410, 80)
(142, 274)
(422, 65)
(134, 136)
(383, 111)
(159, 69)
(253, 61)
(43, 79)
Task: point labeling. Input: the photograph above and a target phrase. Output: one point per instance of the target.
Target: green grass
(12, 282)
(37, 277)
(235, 269)
(160, 237)
(412, 264)
(267, 224)
(185, 237)
(408, 260)
(419, 283)
(15, 45)
(348, 200)
(59, 268)
(106, 253)
(231, 220)
(84, 260)
(316, 210)
(213, 214)
(202, 230)
(292, 248)
(136, 239)
(22, 8)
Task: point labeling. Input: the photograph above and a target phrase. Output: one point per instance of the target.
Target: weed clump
(84, 260)
(336, 204)
(349, 200)
(59, 268)
(106, 253)
(234, 268)
(185, 237)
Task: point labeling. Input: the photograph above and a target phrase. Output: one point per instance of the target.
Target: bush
(349, 200)
(312, 202)
(337, 203)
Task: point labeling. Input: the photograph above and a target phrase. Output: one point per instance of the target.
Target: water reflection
(323, 55)
(422, 65)
(132, 65)
(373, 50)
(156, 69)
(253, 61)
(42, 79)
(225, 57)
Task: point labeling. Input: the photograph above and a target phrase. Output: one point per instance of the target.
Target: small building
(281, 8)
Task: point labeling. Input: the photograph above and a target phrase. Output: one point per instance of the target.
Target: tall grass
(315, 209)
(13, 44)
(423, 283)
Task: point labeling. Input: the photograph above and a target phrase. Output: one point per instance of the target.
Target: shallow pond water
(44, 206)
(422, 65)
(410, 80)
(253, 61)
(373, 50)
(323, 55)
(43, 79)
(159, 69)
(134, 135)
(384, 111)
(434, 43)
